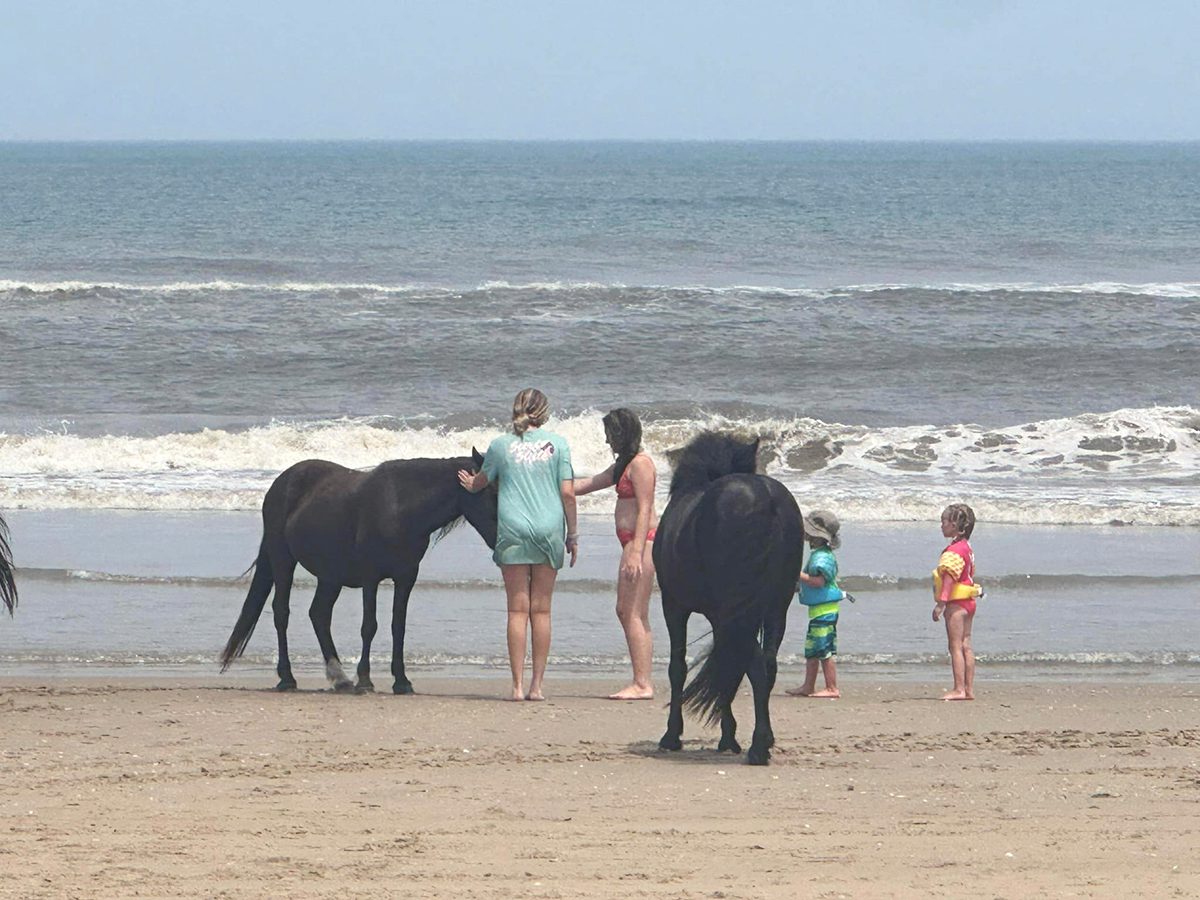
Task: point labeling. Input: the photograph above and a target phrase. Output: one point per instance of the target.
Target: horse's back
(740, 534)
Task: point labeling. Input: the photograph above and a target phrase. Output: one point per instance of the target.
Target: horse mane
(446, 529)
(711, 455)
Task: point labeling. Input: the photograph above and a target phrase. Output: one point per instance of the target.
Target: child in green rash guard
(819, 591)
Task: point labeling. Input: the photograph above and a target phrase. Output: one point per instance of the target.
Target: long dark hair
(623, 430)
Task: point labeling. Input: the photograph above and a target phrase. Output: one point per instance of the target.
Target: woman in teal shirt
(532, 469)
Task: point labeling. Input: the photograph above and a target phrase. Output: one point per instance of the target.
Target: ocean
(905, 325)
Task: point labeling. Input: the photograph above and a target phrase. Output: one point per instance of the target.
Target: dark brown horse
(728, 546)
(354, 529)
(8, 586)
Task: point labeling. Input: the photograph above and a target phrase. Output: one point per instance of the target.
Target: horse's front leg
(321, 614)
(370, 625)
(677, 620)
(728, 733)
(404, 586)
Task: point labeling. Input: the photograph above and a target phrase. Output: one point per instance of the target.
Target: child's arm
(943, 596)
(816, 581)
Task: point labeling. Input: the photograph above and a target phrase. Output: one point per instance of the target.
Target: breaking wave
(1129, 466)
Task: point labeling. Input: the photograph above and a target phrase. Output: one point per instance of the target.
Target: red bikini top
(625, 484)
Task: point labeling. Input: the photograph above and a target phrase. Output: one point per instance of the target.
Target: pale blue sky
(907, 69)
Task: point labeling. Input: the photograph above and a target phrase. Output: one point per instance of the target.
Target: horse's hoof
(402, 687)
(285, 684)
(365, 686)
(731, 745)
(344, 687)
(758, 757)
(670, 743)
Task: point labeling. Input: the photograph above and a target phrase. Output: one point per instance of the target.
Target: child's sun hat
(823, 524)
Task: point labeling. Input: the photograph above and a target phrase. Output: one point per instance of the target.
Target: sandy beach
(200, 788)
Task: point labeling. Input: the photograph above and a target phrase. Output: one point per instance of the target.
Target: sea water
(904, 325)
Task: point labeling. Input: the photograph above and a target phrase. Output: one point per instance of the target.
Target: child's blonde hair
(962, 516)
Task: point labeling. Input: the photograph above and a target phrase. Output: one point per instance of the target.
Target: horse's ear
(746, 456)
(477, 457)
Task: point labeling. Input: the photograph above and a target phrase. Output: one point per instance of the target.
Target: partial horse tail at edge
(723, 667)
(256, 599)
(8, 585)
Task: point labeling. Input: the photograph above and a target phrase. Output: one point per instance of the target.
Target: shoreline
(183, 790)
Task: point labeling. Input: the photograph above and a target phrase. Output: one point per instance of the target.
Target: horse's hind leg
(370, 624)
(677, 620)
(285, 571)
(321, 614)
(762, 671)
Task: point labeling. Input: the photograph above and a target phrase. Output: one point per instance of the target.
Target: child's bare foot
(957, 695)
(517, 694)
(799, 692)
(535, 693)
(633, 692)
(826, 694)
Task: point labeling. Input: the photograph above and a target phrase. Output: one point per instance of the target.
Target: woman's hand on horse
(468, 481)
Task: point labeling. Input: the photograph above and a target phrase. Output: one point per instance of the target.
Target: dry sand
(175, 789)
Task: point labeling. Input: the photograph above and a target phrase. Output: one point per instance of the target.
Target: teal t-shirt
(528, 471)
(824, 599)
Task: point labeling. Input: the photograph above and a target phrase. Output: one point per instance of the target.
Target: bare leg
(810, 680)
(968, 658)
(633, 611)
(541, 590)
(829, 670)
(956, 624)
(516, 587)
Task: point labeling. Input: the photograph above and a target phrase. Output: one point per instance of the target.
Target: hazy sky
(907, 69)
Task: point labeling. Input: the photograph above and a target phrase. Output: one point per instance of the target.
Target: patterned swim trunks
(821, 640)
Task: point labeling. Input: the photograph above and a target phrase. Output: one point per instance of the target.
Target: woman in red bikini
(634, 476)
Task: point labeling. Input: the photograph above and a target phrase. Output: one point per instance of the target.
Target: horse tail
(256, 599)
(8, 586)
(722, 667)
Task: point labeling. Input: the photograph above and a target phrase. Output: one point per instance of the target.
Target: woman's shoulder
(500, 441)
(643, 462)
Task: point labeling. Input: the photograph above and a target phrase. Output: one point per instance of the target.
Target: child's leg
(968, 657)
(810, 679)
(829, 670)
(956, 623)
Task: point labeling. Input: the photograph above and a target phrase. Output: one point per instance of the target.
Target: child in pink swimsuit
(955, 593)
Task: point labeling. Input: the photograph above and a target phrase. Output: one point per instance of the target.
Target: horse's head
(481, 509)
(711, 455)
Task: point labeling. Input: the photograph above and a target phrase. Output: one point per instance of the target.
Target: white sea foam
(1177, 290)
(1131, 465)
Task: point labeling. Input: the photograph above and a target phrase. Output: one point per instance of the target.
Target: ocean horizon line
(959, 141)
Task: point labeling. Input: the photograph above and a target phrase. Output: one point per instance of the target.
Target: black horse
(353, 529)
(8, 586)
(729, 546)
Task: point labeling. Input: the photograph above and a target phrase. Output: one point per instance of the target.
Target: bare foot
(799, 692)
(826, 694)
(957, 695)
(633, 692)
(517, 694)
(535, 695)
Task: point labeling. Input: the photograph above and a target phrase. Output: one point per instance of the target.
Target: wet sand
(188, 789)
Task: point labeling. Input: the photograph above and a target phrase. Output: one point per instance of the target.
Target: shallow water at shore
(156, 594)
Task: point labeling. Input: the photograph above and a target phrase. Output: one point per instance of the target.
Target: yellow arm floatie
(952, 564)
